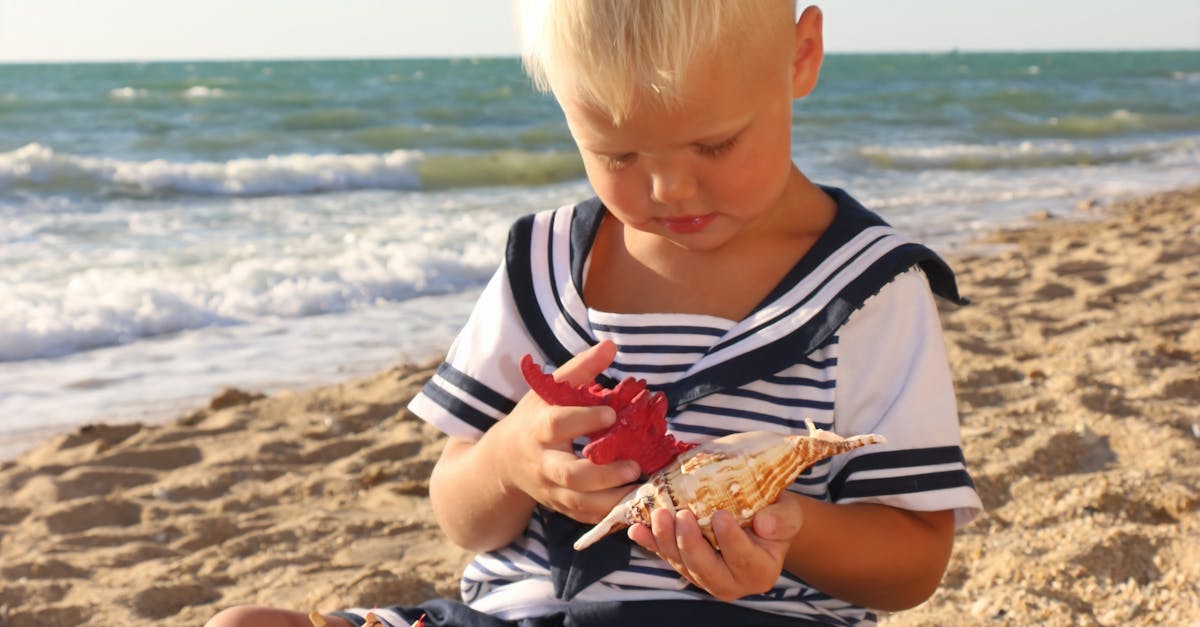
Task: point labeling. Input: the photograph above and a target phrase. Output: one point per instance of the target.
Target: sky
(150, 30)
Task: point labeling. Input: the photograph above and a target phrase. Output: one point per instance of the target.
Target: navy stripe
(822, 364)
(792, 423)
(487, 395)
(783, 400)
(807, 480)
(659, 328)
(480, 567)
(657, 572)
(505, 560)
(457, 407)
(530, 555)
(715, 432)
(586, 219)
(926, 482)
(662, 349)
(827, 384)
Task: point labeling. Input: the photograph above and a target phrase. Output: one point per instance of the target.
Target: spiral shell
(740, 473)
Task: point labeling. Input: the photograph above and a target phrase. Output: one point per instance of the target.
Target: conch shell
(739, 473)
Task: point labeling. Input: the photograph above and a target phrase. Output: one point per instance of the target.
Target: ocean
(167, 229)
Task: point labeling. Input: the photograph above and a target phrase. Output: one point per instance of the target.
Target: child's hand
(534, 446)
(749, 562)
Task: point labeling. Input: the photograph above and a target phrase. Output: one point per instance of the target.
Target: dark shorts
(444, 612)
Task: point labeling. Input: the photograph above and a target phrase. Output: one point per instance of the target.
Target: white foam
(200, 92)
(127, 93)
(275, 174)
(138, 269)
(158, 379)
(1022, 154)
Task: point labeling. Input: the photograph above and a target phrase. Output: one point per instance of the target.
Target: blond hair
(616, 51)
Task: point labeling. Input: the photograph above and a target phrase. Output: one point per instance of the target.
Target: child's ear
(809, 52)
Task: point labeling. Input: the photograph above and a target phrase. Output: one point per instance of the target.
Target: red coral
(640, 432)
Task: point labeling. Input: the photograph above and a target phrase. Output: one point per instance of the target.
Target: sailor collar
(850, 262)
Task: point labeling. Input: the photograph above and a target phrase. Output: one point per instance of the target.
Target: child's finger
(662, 527)
(583, 368)
(581, 475)
(697, 555)
(779, 521)
(563, 424)
(642, 536)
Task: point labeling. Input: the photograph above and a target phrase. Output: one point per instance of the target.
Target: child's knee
(250, 615)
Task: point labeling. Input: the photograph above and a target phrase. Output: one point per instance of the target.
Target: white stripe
(663, 320)
(905, 471)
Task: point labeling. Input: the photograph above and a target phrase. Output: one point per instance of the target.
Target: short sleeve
(893, 378)
(480, 380)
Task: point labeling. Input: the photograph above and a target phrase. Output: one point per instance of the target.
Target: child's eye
(716, 150)
(616, 162)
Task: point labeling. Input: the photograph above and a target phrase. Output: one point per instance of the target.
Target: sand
(1076, 369)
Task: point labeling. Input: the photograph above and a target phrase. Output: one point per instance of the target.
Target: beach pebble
(232, 397)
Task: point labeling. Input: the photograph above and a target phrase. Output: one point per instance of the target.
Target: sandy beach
(1078, 384)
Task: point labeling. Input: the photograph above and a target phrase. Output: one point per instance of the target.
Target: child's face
(700, 173)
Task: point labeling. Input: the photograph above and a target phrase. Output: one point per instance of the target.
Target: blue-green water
(169, 228)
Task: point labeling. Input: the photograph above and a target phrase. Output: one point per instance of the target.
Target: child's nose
(673, 186)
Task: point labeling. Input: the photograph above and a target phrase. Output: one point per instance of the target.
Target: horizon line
(514, 56)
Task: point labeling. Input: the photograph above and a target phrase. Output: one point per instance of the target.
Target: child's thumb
(583, 368)
(780, 520)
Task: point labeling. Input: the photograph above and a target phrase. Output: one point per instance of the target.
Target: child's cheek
(622, 192)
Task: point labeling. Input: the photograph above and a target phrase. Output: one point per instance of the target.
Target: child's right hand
(534, 454)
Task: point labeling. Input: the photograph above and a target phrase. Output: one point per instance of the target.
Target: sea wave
(500, 168)
(129, 93)
(40, 167)
(111, 304)
(93, 313)
(1112, 124)
(1019, 155)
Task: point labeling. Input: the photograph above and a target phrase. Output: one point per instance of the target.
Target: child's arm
(871, 555)
(484, 492)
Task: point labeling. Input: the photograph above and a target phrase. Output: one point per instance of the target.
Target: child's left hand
(750, 560)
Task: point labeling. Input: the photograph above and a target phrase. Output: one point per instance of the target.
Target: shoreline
(1075, 367)
(82, 405)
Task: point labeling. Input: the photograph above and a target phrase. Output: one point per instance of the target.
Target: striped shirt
(850, 339)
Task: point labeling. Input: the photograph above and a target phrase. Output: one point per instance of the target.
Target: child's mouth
(688, 224)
